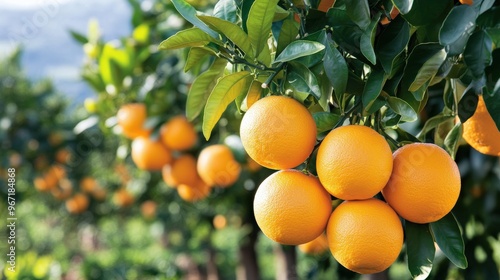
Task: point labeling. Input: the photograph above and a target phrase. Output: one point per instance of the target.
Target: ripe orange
(149, 155)
(394, 13)
(181, 171)
(131, 118)
(41, 184)
(192, 193)
(292, 208)
(278, 132)
(88, 184)
(63, 156)
(219, 221)
(425, 183)
(365, 236)
(123, 198)
(316, 247)
(354, 162)
(77, 204)
(467, 2)
(63, 190)
(324, 5)
(481, 132)
(217, 166)
(178, 134)
(148, 209)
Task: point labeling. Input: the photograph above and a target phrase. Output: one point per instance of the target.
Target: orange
(425, 183)
(278, 132)
(181, 171)
(192, 193)
(324, 5)
(394, 13)
(41, 184)
(99, 193)
(481, 132)
(77, 204)
(316, 247)
(219, 221)
(148, 209)
(365, 236)
(217, 166)
(354, 162)
(64, 190)
(123, 198)
(252, 165)
(178, 134)
(149, 154)
(467, 2)
(63, 156)
(292, 208)
(88, 184)
(131, 118)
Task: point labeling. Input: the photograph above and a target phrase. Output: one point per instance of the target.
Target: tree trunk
(286, 262)
(212, 271)
(248, 268)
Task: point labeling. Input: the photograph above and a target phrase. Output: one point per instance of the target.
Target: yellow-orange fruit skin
(425, 183)
(316, 247)
(278, 132)
(181, 171)
(149, 155)
(365, 236)
(217, 167)
(178, 134)
(131, 118)
(354, 162)
(291, 208)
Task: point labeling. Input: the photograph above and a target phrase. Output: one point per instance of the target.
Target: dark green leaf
(193, 37)
(325, 121)
(367, 40)
(345, 33)
(493, 104)
(419, 249)
(335, 69)
(402, 108)
(232, 31)
(201, 88)
(259, 23)
(428, 70)
(432, 123)
(226, 10)
(448, 236)
(392, 42)
(79, 37)
(288, 33)
(457, 28)
(427, 12)
(467, 104)
(451, 140)
(489, 19)
(359, 12)
(303, 80)
(404, 6)
(373, 87)
(225, 91)
(298, 49)
(482, 6)
(189, 13)
(477, 54)
(280, 14)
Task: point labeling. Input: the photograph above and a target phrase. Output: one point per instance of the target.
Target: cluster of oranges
(169, 153)
(354, 163)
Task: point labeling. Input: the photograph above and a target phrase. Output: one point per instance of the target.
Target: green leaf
(303, 80)
(422, 64)
(232, 31)
(335, 68)
(367, 40)
(288, 33)
(113, 65)
(299, 48)
(392, 42)
(194, 57)
(227, 89)
(404, 6)
(189, 13)
(477, 54)
(402, 108)
(457, 28)
(345, 32)
(325, 121)
(193, 37)
(493, 104)
(468, 103)
(280, 14)
(373, 87)
(419, 249)
(259, 23)
(482, 6)
(201, 88)
(359, 12)
(80, 38)
(452, 138)
(448, 236)
(432, 123)
(427, 12)
(226, 10)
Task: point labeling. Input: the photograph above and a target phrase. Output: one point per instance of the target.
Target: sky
(42, 27)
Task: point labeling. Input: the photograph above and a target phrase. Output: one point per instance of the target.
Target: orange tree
(416, 76)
